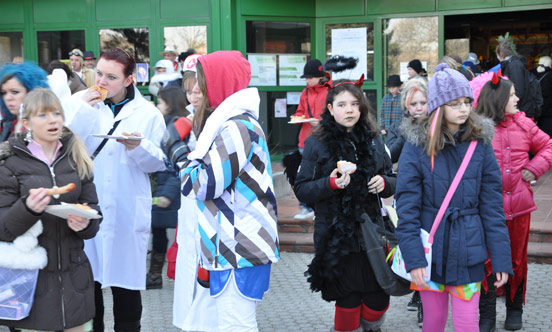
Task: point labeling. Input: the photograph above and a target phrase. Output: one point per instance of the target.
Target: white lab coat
(193, 307)
(118, 252)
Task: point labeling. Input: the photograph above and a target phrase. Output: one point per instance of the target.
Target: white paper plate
(66, 209)
(303, 121)
(136, 138)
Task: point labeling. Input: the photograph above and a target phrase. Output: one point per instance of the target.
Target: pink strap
(452, 189)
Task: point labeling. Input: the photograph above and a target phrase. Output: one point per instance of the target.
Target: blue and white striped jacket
(233, 188)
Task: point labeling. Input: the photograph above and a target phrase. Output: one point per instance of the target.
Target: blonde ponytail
(79, 154)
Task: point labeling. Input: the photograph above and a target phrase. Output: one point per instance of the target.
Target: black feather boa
(343, 232)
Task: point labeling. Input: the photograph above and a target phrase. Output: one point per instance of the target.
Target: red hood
(226, 72)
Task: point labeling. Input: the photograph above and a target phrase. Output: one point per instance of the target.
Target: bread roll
(101, 90)
(344, 166)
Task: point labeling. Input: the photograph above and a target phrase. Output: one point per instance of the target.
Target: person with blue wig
(16, 80)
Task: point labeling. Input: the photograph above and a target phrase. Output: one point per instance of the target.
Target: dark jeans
(127, 309)
(159, 240)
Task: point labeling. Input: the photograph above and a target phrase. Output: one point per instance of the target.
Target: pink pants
(465, 314)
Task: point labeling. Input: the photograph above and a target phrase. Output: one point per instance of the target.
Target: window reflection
(133, 40)
(459, 46)
(406, 39)
(278, 37)
(56, 45)
(182, 38)
(11, 46)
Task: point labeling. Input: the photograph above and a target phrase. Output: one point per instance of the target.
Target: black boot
(154, 279)
(127, 326)
(487, 307)
(514, 309)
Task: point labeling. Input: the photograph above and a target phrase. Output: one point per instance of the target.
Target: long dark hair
(492, 101)
(175, 99)
(366, 112)
(204, 109)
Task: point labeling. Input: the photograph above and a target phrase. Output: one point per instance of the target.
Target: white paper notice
(280, 108)
(350, 43)
(291, 69)
(293, 98)
(404, 70)
(263, 69)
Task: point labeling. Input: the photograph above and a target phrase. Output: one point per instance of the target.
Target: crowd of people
(200, 162)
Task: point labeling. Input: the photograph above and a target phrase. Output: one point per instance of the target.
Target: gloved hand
(175, 140)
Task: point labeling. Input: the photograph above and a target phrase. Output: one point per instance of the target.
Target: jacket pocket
(81, 272)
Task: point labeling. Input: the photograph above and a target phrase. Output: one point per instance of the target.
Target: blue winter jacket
(473, 226)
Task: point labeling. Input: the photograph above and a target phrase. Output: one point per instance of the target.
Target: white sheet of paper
(263, 69)
(291, 68)
(351, 43)
(293, 98)
(280, 108)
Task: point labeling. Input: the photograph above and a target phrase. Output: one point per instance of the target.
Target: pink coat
(514, 137)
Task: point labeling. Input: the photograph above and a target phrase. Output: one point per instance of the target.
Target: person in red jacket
(515, 136)
(311, 105)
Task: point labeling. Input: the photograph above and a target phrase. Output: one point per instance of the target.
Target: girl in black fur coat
(340, 268)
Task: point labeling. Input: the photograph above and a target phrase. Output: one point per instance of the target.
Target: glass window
(182, 38)
(133, 40)
(406, 39)
(11, 46)
(459, 46)
(278, 37)
(352, 40)
(56, 45)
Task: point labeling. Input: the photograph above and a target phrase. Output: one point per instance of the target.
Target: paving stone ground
(291, 306)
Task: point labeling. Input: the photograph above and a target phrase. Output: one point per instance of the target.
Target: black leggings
(377, 301)
(127, 309)
(159, 240)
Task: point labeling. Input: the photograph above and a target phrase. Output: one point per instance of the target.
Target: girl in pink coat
(515, 137)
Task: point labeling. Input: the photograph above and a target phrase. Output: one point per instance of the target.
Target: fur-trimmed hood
(415, 132)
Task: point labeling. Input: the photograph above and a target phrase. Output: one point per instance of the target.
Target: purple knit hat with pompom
(445, 86)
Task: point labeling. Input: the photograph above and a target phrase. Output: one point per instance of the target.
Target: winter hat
(473, 58)
(89, 55)
(544, 62)
(416, 65)
(394, 80)
(445, 86)
(313, 68)
(190, 63)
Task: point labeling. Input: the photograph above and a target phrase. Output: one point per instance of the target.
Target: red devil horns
(494, 81)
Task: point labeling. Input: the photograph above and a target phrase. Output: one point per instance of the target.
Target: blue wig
(28, 74)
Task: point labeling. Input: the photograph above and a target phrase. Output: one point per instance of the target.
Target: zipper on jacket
(59, 276)
(218, 241)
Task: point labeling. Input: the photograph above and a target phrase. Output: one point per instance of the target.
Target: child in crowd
(340, 268)
(515, 137)
(391, 111)
(47, 155)
(311, 105)
(473, 224)
(230, 177)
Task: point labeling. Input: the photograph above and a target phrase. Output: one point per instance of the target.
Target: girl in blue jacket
(474, 222)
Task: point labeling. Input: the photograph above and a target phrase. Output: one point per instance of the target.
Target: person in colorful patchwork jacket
(230, 176)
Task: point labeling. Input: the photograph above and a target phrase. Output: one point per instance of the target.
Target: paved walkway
(291, 306)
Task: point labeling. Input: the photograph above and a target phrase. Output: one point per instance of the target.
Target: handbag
(19, 265)
(378, 238)
(398, 265)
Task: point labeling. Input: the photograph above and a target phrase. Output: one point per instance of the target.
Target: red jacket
(514, 137)
(316, 101)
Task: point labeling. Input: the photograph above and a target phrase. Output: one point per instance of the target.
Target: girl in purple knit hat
(473, 224)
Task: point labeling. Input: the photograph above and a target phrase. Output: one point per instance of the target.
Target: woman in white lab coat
(118, 252)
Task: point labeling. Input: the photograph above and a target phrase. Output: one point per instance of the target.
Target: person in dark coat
(543, 73)
(171, 102)
(473, 225)
(414, 105)
(340, 268)
(514, 66)
(49, 155)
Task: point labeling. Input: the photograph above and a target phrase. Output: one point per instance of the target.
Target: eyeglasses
(75, 53)
(456, 105)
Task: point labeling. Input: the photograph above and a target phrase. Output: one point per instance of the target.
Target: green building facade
(279, 36)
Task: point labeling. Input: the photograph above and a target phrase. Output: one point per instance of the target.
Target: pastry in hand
(102, 91)
(344, 166)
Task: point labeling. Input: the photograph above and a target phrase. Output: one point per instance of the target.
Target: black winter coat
(516, 71)
(338, 212)
(546, 89)
(64, 296)
(167, 185)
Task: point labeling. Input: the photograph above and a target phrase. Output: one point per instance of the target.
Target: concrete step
(296, 242)
(539, 252)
